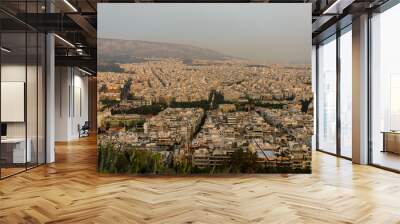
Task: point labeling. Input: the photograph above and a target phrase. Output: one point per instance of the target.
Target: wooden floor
(71, 191)
(5, 172)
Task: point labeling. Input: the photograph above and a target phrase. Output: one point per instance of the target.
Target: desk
(391, 141)
(15, 148)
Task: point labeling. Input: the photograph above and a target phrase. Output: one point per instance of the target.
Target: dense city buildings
(205, 116)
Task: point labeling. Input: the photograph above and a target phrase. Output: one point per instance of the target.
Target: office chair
(84, 130)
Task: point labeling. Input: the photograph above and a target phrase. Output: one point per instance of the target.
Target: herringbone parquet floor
(71, 191)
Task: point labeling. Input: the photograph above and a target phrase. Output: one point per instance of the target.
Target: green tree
(305, 104)
(107, 125)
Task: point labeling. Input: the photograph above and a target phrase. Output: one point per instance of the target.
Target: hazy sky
(267, 33)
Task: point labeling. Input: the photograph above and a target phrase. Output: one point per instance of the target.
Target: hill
(125, 51)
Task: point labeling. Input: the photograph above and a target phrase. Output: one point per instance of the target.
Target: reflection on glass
(41, 99)
(13, 84)
(22, 92)
(327, 96)
(31, 97)
(386, 89)
(346, 94)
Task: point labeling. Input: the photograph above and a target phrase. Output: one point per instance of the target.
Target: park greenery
(153, 109)
(134, 161)
(141, 161)
(109, 103)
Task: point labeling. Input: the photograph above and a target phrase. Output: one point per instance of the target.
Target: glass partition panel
(327, 96)
(41, 99)
(346, 93)
(14, 153)
(31, 98)
(385, 89)
(314, 89)
(22, 87)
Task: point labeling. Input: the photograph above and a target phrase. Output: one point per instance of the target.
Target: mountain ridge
(125, 51)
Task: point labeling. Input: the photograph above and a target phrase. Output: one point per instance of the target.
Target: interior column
(360, 90)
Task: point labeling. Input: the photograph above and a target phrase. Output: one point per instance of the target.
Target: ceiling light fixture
(79, 51)
(64, 40)
(333, 9)
(84, 71)
(70, 5)
(5, 50)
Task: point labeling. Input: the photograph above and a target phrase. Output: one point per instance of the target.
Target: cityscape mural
(188, 89)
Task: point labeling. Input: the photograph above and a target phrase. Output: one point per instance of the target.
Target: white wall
(14, 73)
(61, 103)
(33, 126)
(71, 103)
(17, 73)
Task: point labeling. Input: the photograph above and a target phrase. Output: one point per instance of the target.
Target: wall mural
(204, 88)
